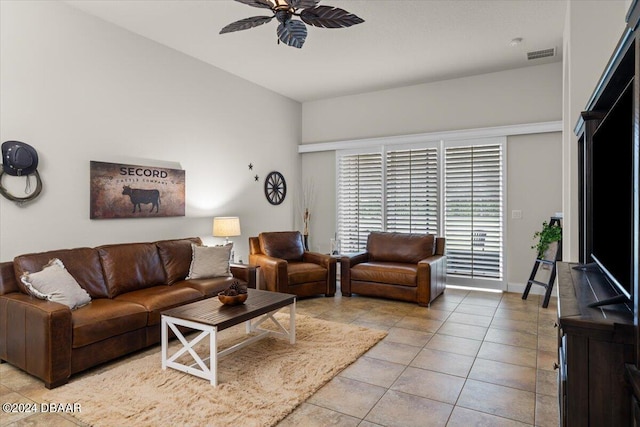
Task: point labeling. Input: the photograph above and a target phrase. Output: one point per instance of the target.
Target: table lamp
(226, 226)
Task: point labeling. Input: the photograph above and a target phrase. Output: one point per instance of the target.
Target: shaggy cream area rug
(257, 385)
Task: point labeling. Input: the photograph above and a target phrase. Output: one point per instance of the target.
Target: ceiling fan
(293, 32)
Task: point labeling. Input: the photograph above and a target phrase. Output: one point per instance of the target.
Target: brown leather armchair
(287, 267)
(402, 266)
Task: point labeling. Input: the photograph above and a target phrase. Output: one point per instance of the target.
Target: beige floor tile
(547, 382)
(393, 352)
(547, 414)
(347, 396)
(369, 424)
(408, 336)
(479, 310)
(547, 360)
(463, 417)
(508, 354)
(515, 314)
(315, 416)
(515, 325)
(548, 342)
(378, 318)
(442, 305)
(430, 313)
(432, 385)
(45, 420)
(445, 362)
(463, 331)
(419, 324)
(401, 409)
(488, 300)
(498, 400)
(374, 371)
(451, 344)
(370, 325)
(514, 338)
(470, 319)
(19, 408)
(506, 374)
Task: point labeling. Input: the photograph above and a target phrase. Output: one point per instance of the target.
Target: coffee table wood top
(212, 312)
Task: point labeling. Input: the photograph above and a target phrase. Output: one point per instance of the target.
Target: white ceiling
(401, 42)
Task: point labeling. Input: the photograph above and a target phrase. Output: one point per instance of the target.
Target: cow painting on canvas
(140, 196)
(132, 191)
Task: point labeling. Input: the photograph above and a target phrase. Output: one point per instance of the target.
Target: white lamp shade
(226, 226)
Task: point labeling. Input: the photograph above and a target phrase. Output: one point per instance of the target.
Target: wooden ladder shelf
(549, 262)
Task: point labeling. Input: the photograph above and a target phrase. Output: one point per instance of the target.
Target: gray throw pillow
(55, 283)
(210, 261)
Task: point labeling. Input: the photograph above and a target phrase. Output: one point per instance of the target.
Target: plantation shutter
(359, 199)
(411, 190)
(473, 209)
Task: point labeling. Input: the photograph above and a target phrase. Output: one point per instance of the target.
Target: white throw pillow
(55, 283)
(210, 261)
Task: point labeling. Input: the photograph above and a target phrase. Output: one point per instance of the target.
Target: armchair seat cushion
(304, 272)
(386, 272)
(104, 318)
(159, 298)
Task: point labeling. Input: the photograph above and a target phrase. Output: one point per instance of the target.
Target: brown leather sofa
(401, 266)
(287, 267)
(129, 284)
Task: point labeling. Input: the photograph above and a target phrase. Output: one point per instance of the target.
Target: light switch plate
(516, 214)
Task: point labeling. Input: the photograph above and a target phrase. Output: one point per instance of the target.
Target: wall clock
(275, 188)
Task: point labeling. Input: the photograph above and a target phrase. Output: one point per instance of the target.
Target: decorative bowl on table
(233, 295)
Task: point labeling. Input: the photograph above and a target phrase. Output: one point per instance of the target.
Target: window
(450, 188)
(411, 190)
(359, 199)
(473, 211)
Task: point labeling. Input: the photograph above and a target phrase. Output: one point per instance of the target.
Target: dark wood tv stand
(594, 344)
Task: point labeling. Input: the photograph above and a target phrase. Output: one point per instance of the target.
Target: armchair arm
(36, 336)
(245, 272)
(430, 276)
(346, 262)
(318, 258)
(274, 271)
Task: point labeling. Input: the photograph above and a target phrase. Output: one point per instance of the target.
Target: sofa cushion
(131, 266)
(176, 257)
(400, 247)
(105, 318)
(159, 298)
(54, 283)
(82, 263)
(210, 261)
(285, 245)
(304, 272)
(386, 272)
(208, 287)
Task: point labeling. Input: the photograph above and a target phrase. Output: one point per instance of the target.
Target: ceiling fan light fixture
(293, 32)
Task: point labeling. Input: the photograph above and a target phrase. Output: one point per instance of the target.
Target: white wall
(592, 31)
(80, 89)
(526, 95)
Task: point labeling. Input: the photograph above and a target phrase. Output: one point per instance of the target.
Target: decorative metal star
(256, 177)
(250, 166)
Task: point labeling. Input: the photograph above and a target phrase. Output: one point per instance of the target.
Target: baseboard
(535, 289)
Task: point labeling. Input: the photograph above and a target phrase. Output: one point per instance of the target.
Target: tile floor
(472, 358)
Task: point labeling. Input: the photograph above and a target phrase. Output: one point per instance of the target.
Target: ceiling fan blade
(245, 24)
(292, 33)
(329, 17)
(303, 4)
(265, 4)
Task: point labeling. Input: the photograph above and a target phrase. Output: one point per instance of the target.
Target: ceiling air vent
(544, 53)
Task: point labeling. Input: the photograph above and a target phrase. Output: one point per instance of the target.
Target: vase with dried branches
(305, 205)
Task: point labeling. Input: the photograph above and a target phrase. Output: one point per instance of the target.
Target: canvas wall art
(133, 191)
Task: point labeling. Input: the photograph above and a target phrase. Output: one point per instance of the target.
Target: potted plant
(546, 237)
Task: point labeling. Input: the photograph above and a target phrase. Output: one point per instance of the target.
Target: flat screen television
(612, 190)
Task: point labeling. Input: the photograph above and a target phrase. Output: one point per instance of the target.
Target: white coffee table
(210, 317)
